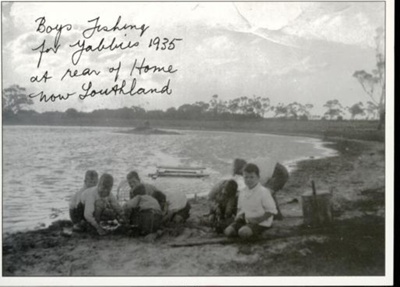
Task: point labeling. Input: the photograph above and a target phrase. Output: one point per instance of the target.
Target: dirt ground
(353, 245)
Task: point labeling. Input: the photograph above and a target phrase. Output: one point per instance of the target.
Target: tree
(293, 110)
(71, 112)
(244, 106)
(171, 112)
(356, 109)
(233, 106)
(202, 106)
(335, 109)
(373, 83)
(266, 105)
(296, 110)
(280, 110)
(371, 110)
(214, 104)
(15, 99)
(258, 106)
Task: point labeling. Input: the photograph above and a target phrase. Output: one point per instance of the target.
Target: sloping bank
(354, 245)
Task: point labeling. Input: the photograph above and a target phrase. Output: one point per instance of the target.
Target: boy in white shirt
(256, 206)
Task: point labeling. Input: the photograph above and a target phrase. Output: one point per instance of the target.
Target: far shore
(350, 129)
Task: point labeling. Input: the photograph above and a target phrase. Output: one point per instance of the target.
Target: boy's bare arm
(239, 215)
(88, 214)
(130, 206)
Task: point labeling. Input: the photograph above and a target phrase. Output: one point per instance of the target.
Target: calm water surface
(44, 166)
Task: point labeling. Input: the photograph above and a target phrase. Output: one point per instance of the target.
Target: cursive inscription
(84, 49)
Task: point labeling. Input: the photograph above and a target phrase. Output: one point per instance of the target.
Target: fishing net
(123, 191)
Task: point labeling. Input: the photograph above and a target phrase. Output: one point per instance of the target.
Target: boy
(177, 208)
(256, 207)
(143, 211)
(98, 201)
(75, 208)
(134, 181)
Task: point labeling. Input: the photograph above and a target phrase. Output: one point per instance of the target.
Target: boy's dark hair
(133, 174)
(231, 188)
(107, 180)
(251, 167)
(91, 174)
(238, 165)
(139, 190)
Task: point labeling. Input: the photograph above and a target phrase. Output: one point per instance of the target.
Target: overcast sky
(304, 52)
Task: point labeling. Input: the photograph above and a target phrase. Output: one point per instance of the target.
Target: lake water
(44, 166)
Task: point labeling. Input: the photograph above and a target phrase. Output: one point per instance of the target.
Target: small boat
(179, 171)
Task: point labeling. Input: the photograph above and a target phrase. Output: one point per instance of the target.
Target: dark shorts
(255, 228)
(147, 221)
(219, 224)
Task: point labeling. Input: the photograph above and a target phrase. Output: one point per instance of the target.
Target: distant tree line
(16, 105)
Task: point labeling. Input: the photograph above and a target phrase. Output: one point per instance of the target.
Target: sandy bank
(355, 176)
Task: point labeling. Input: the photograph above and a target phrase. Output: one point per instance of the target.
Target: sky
(287, 51)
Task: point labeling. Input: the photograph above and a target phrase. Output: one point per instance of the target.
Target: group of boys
(145, 211)
(241, 206)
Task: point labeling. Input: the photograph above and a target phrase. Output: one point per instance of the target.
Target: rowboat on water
(179, 171)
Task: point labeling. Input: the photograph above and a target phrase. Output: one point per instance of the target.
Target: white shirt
(256, 202)
(176, 200)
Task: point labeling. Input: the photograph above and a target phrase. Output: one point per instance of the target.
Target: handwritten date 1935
(163, 44)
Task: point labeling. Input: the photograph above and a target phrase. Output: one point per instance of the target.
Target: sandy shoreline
(355, 176)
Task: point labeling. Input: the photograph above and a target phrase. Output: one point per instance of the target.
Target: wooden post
(317, 207)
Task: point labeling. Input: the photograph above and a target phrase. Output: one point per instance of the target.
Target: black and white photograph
(197, 143)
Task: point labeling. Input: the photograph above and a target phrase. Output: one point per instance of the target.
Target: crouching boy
(134, 181)
(256, 207)
(100, 204)
(75, 205)
(143, 211)
(176, 208)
